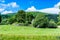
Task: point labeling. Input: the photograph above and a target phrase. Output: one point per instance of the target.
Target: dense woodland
(36, 19)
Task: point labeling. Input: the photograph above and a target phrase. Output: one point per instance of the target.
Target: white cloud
(31, 9)
(13, 4)
(50, 10)
(1, 9)
(13, 7)
(53, 10)
(6, 12)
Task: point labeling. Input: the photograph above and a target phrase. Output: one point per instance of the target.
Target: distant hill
(50, 16)
(7, 15)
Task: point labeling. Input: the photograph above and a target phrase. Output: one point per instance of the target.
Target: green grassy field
(11, 32)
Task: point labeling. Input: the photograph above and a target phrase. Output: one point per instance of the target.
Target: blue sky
(9, 6)
(39, 4)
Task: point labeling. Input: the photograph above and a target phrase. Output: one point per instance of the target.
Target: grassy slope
(9, 32)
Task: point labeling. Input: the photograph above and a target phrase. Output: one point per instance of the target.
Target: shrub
(58, 23)
(4, 22)
(52, 24)
(26, 23)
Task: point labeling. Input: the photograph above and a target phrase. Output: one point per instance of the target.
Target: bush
(58, 23)
(26, 23)
(4, 22)
(52, 24)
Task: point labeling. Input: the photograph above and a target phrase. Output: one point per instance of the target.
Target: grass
(11, 32)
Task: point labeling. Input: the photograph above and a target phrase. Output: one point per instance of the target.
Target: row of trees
(41, 21)
(21, 17)
(25, 18)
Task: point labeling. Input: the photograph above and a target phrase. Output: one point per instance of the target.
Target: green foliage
(29, 17)
(40, 21)
(6, 16)
(26, 23)
(0, 18)
(58, 23)
(4, 22)
(21, 16)
(40, 18)
(58, 17)
(52, 24)
(53, 16)
(11, 20)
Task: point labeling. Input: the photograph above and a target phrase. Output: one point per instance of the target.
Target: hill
(50, 16)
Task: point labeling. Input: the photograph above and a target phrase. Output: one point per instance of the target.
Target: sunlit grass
(11, 32)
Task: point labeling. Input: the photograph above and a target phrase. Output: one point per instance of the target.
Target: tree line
(36, 19)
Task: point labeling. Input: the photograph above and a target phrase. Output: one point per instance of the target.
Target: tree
(40, 21)
(11, 20)
(0, 18)
(21, 16)
(58, 19)
(52, 24)
(29, 17)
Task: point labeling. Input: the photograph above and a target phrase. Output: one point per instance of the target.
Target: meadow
(13, 32)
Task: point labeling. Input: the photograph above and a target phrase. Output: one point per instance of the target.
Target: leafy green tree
(21, 16)
(52, 24)
(40, 21)
(11, 20)
(0, 18)
(29, 17)
(58, 19)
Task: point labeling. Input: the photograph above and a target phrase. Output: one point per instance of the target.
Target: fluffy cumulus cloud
(54, 10)
(31, 9)
(11, 7)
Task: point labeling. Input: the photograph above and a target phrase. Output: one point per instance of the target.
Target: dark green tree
(58, 19)
(29, 17)
(21, 16)
(40, 21)
(0, 18)
(11, 20)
